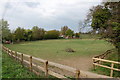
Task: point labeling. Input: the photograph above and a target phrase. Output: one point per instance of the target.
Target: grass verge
(13, 69)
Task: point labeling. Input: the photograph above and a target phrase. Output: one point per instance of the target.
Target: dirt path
(82, 63)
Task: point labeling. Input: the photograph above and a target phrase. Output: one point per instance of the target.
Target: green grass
(55, 49)
(89, 36)
(13, 69)
(105, 71)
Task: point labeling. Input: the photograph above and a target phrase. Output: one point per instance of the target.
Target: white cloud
(48, 14)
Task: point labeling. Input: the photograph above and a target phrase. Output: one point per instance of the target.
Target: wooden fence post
(5, 49)
(30, 63)
(77, 74)
(99, 62)
(16, 55)
(8, 51)
(11, 53)
(21, 58)
(93, 64)
(111, 73)
(46, 68)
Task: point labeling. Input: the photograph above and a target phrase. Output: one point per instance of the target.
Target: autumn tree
(64, 29)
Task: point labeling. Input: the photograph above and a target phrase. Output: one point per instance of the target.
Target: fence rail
(36, 64)
(97, 60)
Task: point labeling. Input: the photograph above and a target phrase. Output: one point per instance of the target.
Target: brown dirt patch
(82, 63)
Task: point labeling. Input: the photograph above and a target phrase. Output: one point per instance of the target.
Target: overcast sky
(47, 14)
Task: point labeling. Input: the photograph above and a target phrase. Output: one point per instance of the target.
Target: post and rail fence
(97, 61)
(50, 68)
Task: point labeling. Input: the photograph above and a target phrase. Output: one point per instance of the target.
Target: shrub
(77, 35)
(52, 34)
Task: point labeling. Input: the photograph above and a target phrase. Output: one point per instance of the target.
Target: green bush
(77, 35)
(53, 34)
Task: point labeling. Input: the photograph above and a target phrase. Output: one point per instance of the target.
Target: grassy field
(54, 50)
(13, 69)
(50, 49)
(89, 36)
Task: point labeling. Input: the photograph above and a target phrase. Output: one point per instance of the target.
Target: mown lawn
(55, 49)
(13, 69)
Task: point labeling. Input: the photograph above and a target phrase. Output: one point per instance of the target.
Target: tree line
(36, 33)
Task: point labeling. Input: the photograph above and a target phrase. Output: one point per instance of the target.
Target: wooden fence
(102, 56)
(97, 61)
(50, 68)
